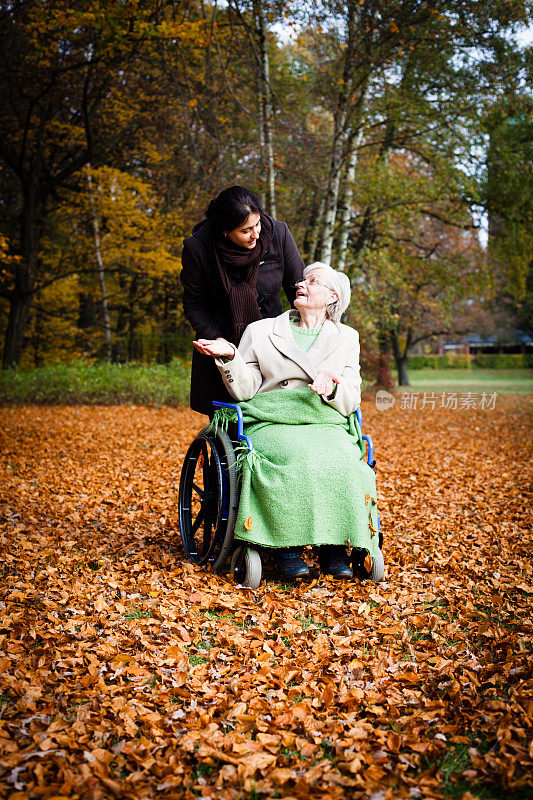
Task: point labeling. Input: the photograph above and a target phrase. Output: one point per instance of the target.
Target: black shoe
(291, 563)
(334, 561)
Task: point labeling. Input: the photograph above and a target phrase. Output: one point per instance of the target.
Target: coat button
(284, 383)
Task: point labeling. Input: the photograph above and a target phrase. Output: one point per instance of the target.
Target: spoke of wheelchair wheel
(207, 535)
(197, 522)
(200, 492)
(205, 464)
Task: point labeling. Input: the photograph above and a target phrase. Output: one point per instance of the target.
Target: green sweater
(304, 337)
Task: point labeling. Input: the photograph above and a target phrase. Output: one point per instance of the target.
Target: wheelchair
(208, 502)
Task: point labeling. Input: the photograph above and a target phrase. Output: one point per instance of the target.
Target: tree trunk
(101, 271)
(346, 202)
(265, 122)
(384, 376)
(314, 233)
(366, 231)
(332, 194)
(401, 366)
(22, 295)
(166, 346)
(38, 339)
(132, 319)
(19, 314)
(401, 358)
(339, 139)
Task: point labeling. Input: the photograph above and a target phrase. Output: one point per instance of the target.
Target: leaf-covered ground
(128, 672)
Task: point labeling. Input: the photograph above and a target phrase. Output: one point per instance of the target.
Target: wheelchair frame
(209, 500)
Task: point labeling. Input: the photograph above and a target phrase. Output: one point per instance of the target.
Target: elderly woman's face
(312, 293)
(247, 234)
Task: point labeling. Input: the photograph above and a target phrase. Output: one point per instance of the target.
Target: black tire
(208, 499)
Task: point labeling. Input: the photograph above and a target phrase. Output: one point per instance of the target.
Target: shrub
(504, 360)
(98, 384)
(447, 361)
(464, 361)
(376, 368)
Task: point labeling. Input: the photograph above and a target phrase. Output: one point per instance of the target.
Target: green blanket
(306, 481)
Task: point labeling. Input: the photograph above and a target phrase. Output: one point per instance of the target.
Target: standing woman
(233, 268)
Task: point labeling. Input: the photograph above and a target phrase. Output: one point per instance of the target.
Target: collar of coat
(283, 340)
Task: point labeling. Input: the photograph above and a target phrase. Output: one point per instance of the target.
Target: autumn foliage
(127, 672)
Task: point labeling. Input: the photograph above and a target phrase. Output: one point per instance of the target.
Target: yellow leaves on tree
(133, 229)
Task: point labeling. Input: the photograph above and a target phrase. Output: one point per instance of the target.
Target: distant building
(509, 341)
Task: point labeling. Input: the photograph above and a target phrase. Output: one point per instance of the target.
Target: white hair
(339, 283)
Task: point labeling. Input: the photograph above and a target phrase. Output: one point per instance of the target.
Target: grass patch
(309, 621)
(453, 763)
(196, 659)
(137, 613)
(218, 615)
(456, 760)
(484, 791)
(78, 383)
(502, 381)
(204, 770)
(328, 749)
(202, 646)
(418, 636)
(287, 752)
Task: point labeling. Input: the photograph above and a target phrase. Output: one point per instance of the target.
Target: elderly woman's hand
(324, 383)
(217, 348)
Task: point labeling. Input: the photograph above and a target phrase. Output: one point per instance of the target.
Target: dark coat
(206, 303)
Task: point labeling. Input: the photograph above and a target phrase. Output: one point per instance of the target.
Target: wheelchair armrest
(368, 440)
(370, 443)
(241, 436)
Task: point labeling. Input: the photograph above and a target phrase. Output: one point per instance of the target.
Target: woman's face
(312, 293)
(247, 234)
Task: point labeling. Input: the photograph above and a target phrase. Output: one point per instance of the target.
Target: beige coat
(268, 358)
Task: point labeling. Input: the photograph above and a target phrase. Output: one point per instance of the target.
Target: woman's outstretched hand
(217, 348)
(324, 383)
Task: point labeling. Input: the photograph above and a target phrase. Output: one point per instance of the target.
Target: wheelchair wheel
(378, 568)
(208, 498)
(246, 566)
(380, 533)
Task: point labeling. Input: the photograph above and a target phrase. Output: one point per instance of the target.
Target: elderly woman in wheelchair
(303, 477)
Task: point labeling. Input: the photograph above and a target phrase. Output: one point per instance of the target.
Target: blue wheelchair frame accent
(368, 439)
(241, 436)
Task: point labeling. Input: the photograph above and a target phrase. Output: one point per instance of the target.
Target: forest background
(386, 134)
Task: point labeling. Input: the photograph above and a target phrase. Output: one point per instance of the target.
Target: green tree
(510, 193)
